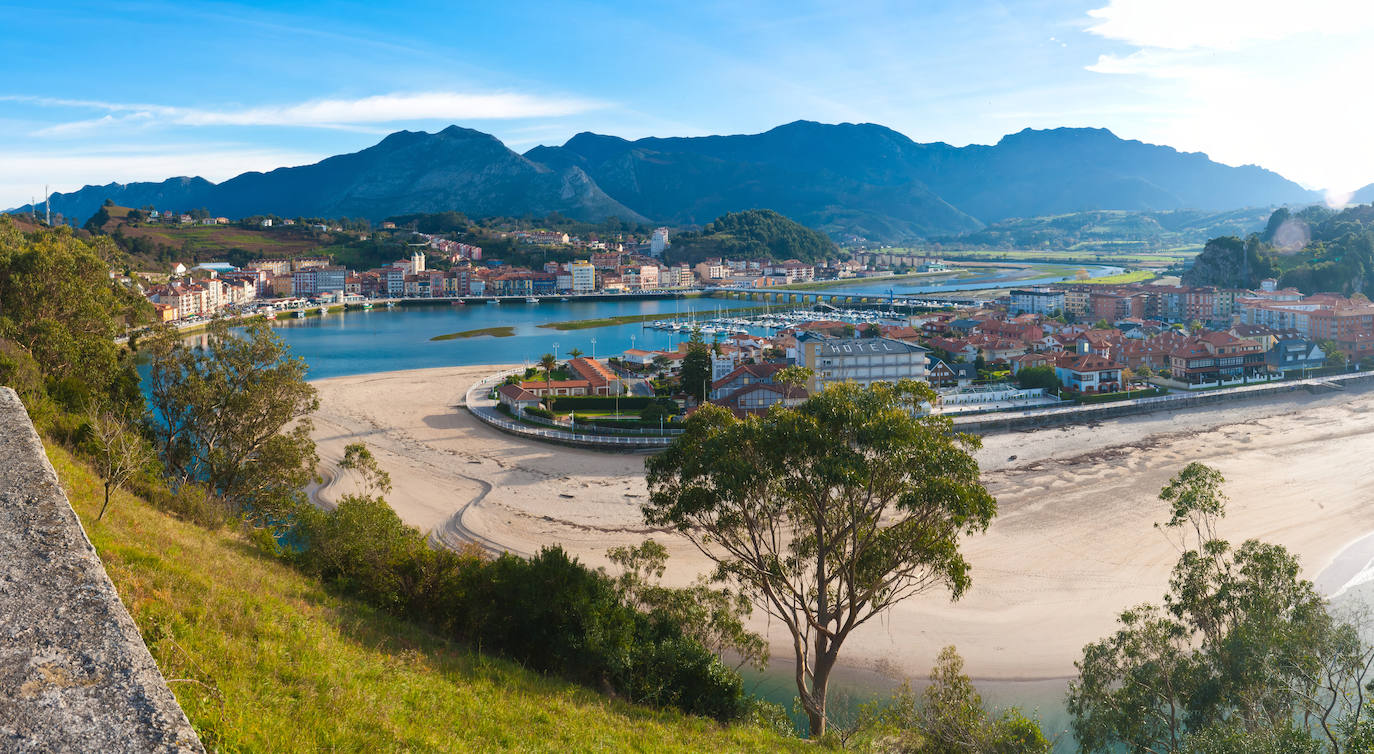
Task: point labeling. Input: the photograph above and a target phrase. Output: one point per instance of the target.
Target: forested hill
(845, 179)
(1314, 250)
(754, 233)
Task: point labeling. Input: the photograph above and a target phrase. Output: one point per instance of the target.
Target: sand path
(1072, 546)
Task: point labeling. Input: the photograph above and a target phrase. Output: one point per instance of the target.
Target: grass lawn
(1134, 276)
(263, 658)
(495, 332)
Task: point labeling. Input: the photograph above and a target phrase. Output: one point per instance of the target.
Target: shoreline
(1072, 546)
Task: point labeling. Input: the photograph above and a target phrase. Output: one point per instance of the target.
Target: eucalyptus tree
(828, 514)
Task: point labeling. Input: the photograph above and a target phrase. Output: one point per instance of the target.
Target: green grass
(1084, 256)
(1134, 276)
(495, 332)
(263, 658)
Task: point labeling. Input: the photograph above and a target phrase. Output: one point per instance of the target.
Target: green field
(1134, 276)
(263, 658)
(495, 332)
(1161, 258)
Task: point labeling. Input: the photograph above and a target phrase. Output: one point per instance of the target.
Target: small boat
(457, 302)
(367, 305)
(324, 310)
(391, 304)
(494, 301)
(565, 298)
(300, 314)
(531, 300)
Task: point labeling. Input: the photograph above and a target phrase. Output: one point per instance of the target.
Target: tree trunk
(820, 679)
(106, 504)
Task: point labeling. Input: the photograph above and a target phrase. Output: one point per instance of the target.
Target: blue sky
(111, 91)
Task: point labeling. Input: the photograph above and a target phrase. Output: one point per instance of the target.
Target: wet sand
(1072, 546)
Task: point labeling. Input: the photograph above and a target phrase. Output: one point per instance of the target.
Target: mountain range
(844, 179)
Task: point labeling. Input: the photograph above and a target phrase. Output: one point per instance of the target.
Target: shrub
(539, 411)
(549, 612)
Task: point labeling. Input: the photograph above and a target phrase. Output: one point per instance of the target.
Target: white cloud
(26, 172)
(1225, 24)
(321, 113)
(1251, 82)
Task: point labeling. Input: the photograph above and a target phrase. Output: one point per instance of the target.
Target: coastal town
(1022, 348)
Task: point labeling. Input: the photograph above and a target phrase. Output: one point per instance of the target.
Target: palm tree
(575, 352)
(548, 362)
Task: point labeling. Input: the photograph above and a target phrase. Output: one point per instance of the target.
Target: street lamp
(555, 351)
(593, 349)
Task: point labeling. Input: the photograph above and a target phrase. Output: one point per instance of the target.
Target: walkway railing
(485, 409)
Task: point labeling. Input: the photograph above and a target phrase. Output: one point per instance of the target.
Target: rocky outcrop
(74, 673)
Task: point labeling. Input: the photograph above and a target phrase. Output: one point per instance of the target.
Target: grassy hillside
(263, 658)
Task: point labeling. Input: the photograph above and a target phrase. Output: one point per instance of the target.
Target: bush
(539, 411)
(549, 612)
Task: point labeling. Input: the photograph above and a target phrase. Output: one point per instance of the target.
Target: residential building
(741, 376)
(600, 379)
(1216, 356)
(659, 243)
(861, 360)
(516, 398)
(1045, 301)
(583, 277)
(1088, 373)
(758, 397)
(1292, 352)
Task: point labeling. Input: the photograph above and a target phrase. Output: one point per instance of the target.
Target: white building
(1036, 301)
(659, 243)
(861, 360)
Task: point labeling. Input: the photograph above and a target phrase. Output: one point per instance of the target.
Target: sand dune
(1072, 546)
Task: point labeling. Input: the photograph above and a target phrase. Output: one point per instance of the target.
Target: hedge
(1109, 397)
(600, 403)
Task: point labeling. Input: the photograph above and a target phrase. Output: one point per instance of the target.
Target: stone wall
(74, 673)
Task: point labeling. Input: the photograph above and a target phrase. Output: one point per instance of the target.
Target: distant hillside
(845, 180)
(755, 233)
(1112, 230)
(1314, 250)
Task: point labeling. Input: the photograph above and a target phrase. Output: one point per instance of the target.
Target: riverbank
(1073, 544)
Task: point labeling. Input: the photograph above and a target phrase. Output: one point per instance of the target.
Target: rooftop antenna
(33, 208)
(47, 206)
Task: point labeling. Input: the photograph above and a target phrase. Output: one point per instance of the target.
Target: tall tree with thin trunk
(548, 361)
(118, 450)
(234, 417)
(828, 514)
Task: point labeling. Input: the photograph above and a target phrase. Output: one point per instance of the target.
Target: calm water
(382, 340)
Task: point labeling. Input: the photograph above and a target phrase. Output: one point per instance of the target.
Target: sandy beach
(1073, 544)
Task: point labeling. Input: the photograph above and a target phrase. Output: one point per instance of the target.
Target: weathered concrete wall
(74, 673)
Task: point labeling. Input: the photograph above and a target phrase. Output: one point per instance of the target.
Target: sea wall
(1054, 417)
(74, 673)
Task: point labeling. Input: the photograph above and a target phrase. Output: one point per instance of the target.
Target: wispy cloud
(1243, 80)
(352, 114)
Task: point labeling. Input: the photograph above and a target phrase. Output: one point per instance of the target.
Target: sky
(113, 91)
